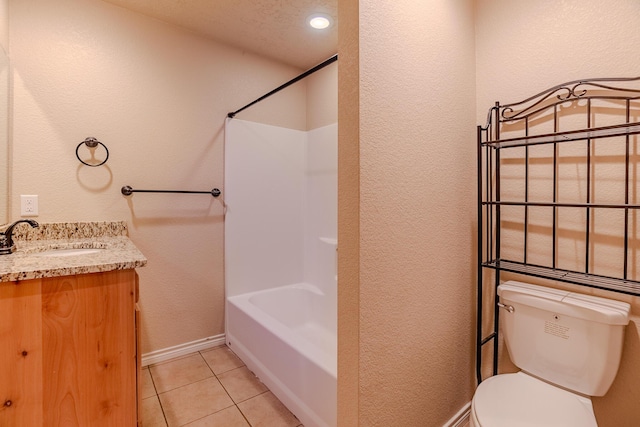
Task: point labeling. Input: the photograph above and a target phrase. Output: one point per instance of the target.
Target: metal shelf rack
(568, 114)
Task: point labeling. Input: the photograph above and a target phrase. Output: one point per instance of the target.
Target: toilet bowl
(568, 347)
(520, 400)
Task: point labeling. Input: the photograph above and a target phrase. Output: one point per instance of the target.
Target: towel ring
(92, 143)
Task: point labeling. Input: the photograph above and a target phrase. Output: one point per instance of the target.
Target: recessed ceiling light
(319, 21)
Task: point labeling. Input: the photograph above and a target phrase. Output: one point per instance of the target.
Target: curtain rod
(333, 59)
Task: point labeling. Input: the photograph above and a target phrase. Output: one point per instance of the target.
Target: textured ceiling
(273, 28)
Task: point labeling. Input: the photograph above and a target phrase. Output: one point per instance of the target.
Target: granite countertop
(116, 250)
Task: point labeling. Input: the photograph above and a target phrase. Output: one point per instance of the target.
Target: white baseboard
(461, 418)
(182, 349)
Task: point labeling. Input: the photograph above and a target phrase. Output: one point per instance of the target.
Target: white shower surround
(280, 241)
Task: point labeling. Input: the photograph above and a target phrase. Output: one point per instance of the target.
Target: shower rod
(320, 66)
(127, 191)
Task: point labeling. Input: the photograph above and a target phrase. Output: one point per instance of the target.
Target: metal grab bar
(127, 191)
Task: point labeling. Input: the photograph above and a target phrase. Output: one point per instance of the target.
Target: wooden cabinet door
(71, 358)
(21, 354)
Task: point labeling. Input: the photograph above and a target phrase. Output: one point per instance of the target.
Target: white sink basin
(64, 252)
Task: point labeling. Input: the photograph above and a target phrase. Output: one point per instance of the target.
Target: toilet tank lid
(581, 306)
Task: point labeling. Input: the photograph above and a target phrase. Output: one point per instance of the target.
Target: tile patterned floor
(209, 388)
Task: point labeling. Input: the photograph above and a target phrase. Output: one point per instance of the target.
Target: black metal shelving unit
(575, 106)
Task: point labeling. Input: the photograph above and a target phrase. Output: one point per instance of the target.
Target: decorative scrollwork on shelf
(562, 93)
(571, 92)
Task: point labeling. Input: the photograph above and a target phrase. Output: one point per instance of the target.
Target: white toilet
(568, 347)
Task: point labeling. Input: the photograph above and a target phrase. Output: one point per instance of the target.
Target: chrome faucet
(6, 238)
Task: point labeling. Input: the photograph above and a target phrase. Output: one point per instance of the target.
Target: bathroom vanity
(69, 331)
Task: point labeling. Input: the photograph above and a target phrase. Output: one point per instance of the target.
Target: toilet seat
(520, 400)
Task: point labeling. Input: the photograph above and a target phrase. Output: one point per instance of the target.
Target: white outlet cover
(28, 205)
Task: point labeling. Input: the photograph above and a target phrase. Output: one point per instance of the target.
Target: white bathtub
(287, 337)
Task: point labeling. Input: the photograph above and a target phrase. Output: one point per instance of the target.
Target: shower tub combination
(286, 336)
(280, 262)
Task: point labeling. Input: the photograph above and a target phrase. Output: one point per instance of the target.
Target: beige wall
(348, 214)
(4, 25)
(524, 47)
(322, 97)
(4, 109)
(406, 292)
(157, 96)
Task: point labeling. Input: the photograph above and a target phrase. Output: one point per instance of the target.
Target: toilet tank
(569, 339)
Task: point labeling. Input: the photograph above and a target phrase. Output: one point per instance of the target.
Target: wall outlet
(28, 205)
